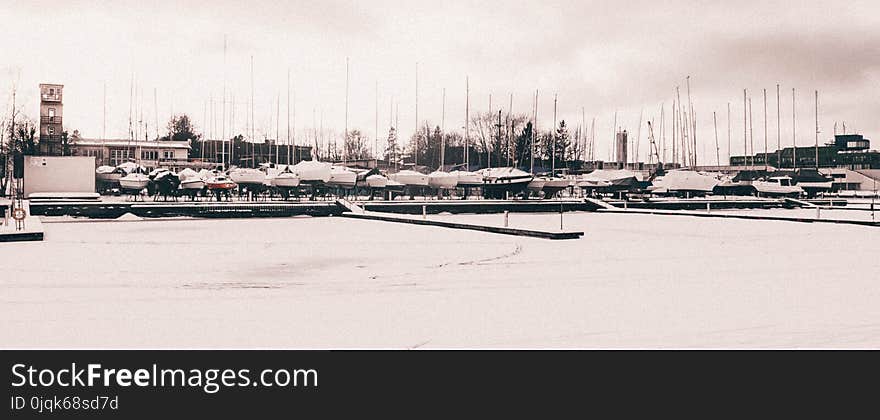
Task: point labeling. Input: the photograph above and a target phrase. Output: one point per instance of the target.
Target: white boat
(537, 184)
(312, 171)
(247, 176)
(686, 181)
(777, 186)
(130, 167)
(410, 178)
(192, 184)
(442, 180)
(553, 185)
(376, 181)
(134, 181)
(286, 179)
(108, 174)
(467, 179)
(608, 179)
(503, 182)
(340, 176)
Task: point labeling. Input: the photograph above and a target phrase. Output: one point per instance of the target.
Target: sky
(598, 58)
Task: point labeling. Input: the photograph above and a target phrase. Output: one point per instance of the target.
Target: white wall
(68, 174)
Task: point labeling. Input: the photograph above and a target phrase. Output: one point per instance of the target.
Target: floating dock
(33, 230)
(477, 206)
(452, 225)
(112, 210)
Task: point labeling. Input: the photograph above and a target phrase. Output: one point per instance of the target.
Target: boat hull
(442, 180)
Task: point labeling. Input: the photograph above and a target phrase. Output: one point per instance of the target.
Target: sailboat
(342, 177)
(500, 183)
(312, 172)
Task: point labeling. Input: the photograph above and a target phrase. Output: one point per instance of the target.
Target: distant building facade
(151, 154)
(51, 113)
(621, 148)
(850, 151)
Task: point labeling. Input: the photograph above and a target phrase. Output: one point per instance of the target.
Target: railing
(50, 120)
(50, 98)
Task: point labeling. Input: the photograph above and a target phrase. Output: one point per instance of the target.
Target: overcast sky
(599, 57)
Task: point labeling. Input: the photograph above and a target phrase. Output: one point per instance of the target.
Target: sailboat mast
(223, 124)
(345, 136)
(817, 130)
(277, 126)
(467, 107)
(729, 153)
(778, 130)
(104, 117)
(443, 132)
(253, 154)
(510, 124)
(717, 149)
(766, 163)
(751, 133)
(745, 127)
(290, 147)
(553, 133)
(416, 145)
(793, 134)
(534, 135)
(376, 137)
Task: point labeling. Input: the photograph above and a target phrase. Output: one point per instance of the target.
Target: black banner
(245, 384)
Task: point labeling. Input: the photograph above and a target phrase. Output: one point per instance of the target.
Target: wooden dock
(112, 210)
(741, 216)
(33, 230)
(477, 206)
(482, 228)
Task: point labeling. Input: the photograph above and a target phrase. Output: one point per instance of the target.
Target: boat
(442, 180)
(537, 184)
(410, 178)
(608, 180)
(466, 179)
(688, 182)
(247, 176)
(341, 176)
(376, 181)
(285, 179)
(777, 186)
(220, 182)
(500, 183)
(109, 174)
(553, 185)
(190, 180)
(312, 172)
(134, 181)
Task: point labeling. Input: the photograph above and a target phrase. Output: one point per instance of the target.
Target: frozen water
(634, 280)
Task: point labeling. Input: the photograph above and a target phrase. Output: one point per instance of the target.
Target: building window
(149, 155)
(52, 91)
(51, 130)
(168, 154)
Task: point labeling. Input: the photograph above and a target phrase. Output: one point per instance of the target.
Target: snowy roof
(150, 144)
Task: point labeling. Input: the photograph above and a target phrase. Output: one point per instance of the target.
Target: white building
(149, 153)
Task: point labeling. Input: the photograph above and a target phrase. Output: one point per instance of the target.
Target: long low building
(149, 153)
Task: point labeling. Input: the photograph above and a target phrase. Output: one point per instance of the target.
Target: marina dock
(483, 228)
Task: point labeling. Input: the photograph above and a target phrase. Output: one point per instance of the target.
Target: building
(621, 155)
(151, 154)
(850, 151)
(51, 112)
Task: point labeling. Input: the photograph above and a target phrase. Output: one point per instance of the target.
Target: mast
(751, 133)
(674, 133)
(156, 112)
(376, 139)
(717, 149)
(553, 133)
(277, 126)
(693, 122)
(443, 132)
(778, 130)
(467, 157)
(253, 154)
(345, 137)
(766, 164)
(416, 148)
(728, 134)
(817, 130)
(614, 139)
(592, 139)
(638, 138)
(510, 131)
(745, 128)
(793, 134)
(223, 129)
(290, 147)
(534, 135)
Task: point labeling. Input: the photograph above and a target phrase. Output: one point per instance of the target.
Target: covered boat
(442, 180)
(376, 181)
(537, 184)
(134, 181)
(410, 178)
(312, 172)
(608, 180)
(342, 177)
(503, 182)
(247, 176)
(553, 185)
(466, 179)
(686, 182)
(190, 180)
(109, 174)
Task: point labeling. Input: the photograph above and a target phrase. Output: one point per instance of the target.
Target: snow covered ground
(633, 281)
